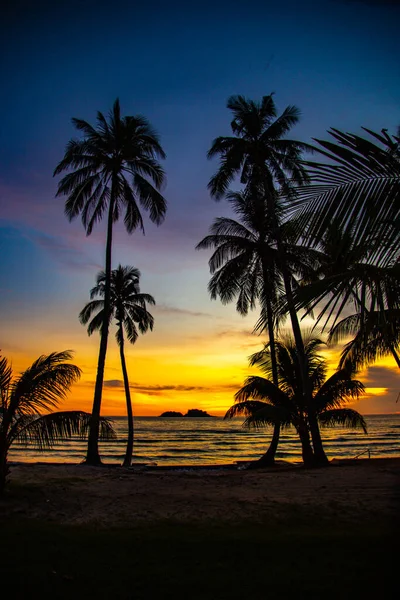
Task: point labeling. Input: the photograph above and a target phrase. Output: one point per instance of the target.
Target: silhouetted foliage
(114, 168)
(128, 308)
(41, 387)
(264, 403)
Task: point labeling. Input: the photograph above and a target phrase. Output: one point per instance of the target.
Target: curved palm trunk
(268, 459)
(129, 447)
(4, 445)
(320, 457)
(93, 456)
(4, 469)
(318, 449)
(306, 449)
(395, 355)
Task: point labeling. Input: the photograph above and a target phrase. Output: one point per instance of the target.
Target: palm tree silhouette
(39, 388)
(264, 403)
(128, 307)
(257, 150)
(246, 265)
(112, 170)
(347, 276)
(272, 165)
(359, 189)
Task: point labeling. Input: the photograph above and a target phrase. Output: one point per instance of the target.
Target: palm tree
(347, 276)
(112, 170)
(258, 151)
(39, 388)
(246, 265)
(376, 336)
(128, 307)
(263, 159)
(359, 189)
(264, 403)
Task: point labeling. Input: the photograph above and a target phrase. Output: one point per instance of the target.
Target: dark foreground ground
(75, 532)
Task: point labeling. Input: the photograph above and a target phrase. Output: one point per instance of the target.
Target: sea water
(203, 441)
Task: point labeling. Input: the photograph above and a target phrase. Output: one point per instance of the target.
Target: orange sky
(186, 362)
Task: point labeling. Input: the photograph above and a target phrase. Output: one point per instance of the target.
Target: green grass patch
(212, 561)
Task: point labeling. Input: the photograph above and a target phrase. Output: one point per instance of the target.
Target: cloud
(63, 252)
(383, 377)
(159, 389)
(112, 383)
(118, 383)
(164, 308)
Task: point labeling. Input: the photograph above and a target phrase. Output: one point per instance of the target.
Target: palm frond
(342, 417)
(269, 415)
(358, 189)
(46, 431)
(43, 385)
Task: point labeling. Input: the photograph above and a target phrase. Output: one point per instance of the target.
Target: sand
(106, 497)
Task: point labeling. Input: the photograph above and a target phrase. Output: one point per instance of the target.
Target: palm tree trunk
(268, 459)
(306, 449)
(321, 459)
(395, 355)
(93, 456)
(4, 469)
(129, 447)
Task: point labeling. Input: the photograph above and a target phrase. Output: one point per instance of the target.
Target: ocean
(194, 441)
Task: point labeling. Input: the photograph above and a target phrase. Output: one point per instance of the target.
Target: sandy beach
(106, 497)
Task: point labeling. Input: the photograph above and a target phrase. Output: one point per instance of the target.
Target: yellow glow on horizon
(199, 368)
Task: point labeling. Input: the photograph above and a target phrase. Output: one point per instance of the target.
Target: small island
(196, 412)
(192, 412)
(171, 413)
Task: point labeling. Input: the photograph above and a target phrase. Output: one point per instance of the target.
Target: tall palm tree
(264, 403)
(40, 388)
(128, 307)
(246, 265)
(262, 157)
(114, 168)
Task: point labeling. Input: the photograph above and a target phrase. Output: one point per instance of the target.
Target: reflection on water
(214, 441)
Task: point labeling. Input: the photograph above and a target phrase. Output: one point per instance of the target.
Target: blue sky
(176, 63)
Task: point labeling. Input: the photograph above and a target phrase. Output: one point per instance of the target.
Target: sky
(176, 63)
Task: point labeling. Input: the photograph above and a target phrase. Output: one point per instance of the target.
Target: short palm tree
(128, 307)
(115, 168)
(23, 399)
(263, 403)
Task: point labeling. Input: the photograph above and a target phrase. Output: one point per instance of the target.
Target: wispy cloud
(383, 377)
(174, 310)
(159, 389)
(62, 251)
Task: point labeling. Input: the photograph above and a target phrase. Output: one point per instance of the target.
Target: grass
(214, 561)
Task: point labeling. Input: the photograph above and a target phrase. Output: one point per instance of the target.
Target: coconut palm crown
(258, 148)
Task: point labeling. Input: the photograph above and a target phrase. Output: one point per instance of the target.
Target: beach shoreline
(113, 496)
